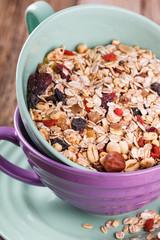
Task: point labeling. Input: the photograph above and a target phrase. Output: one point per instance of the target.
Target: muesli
(99, 107)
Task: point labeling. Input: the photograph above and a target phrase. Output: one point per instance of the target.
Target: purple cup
(96, 192)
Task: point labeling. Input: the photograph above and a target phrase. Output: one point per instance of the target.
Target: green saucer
(35, 213)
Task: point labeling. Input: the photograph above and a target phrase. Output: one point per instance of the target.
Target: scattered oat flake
(87, 225)
(150, 236)
(115, 223)
(104, 229)
(109, 224)
(119, 235)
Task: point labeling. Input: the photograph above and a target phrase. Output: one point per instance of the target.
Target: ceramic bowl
(90, 24)
(96, 192)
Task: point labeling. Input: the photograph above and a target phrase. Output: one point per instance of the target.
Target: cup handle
(23, 175)
(36, 13)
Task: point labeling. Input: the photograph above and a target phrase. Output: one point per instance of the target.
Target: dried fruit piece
(64, 72)
(123, 99)
(60, 96)
(98, 167)
(94, 116)
(48, 123)
(152, 129)
(78, 124)
(51, 98)
(148, 224)
(118, 112)
(136, 111)
(140, 119)
(156, 87)
(155, 152)
(141, 142)
(38, 83)
(110, 57)
(118, 70)
(68, 53)
(61, 122)
(114, 162)
(33, 100)
(109, 97)
(76, 108)
(63, 143)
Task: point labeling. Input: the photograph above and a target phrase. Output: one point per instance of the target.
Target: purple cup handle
(23, 175)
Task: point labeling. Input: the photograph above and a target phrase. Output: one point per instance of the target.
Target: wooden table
(13, 34)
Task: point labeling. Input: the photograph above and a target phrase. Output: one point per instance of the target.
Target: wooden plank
(13, 34)
(151, 9)
(134, 5)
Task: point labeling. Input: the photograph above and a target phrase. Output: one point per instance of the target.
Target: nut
(113, 146)
(114, 162)
(82, 48)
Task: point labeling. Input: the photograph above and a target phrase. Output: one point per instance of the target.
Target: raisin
(136, 111)
(61, 122)
(148, 224)
(33, 100)
(51, 98)
(98, 167)
(64, 72)
(76, 108)
(78, 124)
(152, 129)
(94, 116)
(109, 97)
(60, 96)
(38, 83)
(123, 99)
(156, 87)
(63, 143)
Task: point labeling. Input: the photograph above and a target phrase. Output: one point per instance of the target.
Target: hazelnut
(114, 162)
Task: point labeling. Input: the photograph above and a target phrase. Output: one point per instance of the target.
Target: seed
(104, 229)
(87, 225)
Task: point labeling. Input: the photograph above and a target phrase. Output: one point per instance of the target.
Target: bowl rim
(69, 168)
(19, 72)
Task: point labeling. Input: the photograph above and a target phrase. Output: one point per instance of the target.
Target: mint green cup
(90, 24)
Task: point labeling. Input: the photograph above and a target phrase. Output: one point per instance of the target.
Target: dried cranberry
(33, 100)
(152, 129)
(48, 123)
(68, 53)
(51, 98)
(140, 119)
(155, 152)
(38, 83)
(64, 72)
(136, 111)
(63, 143)
(98, 167)
(148, 224)
(60, 96)
(156, 87)
(118, 112)
(141, 142)
(109, 97)
(78, 124)
(110, 57)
